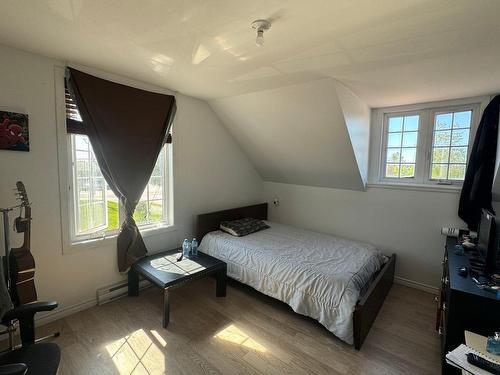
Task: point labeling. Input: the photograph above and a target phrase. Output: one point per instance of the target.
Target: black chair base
(41, 359)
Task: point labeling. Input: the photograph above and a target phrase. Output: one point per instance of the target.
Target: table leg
(133, 283)
(166, 307)
(221, 282)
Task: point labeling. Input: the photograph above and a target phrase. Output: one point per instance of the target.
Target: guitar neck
(27, 233)
(23, 224)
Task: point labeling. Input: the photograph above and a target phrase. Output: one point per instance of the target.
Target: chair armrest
(28, 310)
(26, 316)
(13, 369)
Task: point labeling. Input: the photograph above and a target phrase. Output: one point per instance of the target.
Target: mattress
(318, 275)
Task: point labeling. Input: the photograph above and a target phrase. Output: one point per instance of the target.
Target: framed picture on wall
(14, 133)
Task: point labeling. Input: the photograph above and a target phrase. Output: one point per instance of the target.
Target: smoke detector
(260, 26)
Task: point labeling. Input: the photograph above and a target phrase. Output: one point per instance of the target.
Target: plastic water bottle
(194, 247)
(186, 248)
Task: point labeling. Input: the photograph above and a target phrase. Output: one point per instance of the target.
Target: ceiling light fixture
(260, 26)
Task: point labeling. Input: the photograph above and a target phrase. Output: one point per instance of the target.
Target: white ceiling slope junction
(389, 52)
(314, 134)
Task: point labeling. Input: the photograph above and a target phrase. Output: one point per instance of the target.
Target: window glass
(450, 141)
(150, 208)
(401, 151)
(96, 208)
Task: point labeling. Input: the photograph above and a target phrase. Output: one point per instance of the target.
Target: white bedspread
(318, 275)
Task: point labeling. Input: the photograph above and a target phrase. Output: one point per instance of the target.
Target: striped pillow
(242, 227)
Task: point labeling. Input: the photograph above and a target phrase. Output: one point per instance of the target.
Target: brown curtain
(126, 128)
(74, 123)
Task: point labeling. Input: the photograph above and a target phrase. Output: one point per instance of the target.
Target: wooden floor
(244, 333)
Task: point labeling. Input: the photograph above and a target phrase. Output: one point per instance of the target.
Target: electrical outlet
(276, 202)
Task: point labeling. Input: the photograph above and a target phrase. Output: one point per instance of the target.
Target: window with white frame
(401, 151)
(95, 211)
(426, 145)
(450, 144)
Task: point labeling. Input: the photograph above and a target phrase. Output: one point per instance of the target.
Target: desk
(462, 306)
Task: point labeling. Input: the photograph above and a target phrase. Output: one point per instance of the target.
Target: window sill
(157, 230)
(454, 189)
(111, 239)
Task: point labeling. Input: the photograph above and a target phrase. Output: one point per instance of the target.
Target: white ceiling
(388, 52)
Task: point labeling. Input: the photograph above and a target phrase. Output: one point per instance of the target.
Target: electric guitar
(21, 261)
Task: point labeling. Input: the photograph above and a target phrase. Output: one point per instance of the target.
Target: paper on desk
(478, 343)
(458, 358)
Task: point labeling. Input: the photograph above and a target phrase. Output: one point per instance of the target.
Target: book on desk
(475, 344)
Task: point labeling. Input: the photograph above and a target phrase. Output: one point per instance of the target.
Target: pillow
(242, 227)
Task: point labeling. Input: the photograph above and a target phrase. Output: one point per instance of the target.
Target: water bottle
(194, 248)
(186, 248)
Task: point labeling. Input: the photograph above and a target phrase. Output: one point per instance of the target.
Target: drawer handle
(444, 306)
(445, 280)
(440, 331)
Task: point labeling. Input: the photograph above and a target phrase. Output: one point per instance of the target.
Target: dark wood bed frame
(369, 302)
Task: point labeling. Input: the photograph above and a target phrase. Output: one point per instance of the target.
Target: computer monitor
(488, 241)
(485, 232)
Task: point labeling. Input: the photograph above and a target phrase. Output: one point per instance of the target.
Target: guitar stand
(48, 337)
(11, 331)
(12, 328)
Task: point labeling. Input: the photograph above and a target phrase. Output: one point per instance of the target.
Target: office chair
(32, 357)
(17, 268)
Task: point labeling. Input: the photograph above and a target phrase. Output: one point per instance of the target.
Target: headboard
(209, 222)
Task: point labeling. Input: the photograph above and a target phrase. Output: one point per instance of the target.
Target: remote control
(484, 364)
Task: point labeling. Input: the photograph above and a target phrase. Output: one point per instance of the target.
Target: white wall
(299, 135)
(210, 173)
(405, 222)
(357, 116)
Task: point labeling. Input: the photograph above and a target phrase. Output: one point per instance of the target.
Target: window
(96, 210)
(450, 142)
(151, 209)
(426, 144)
(402, 137)
(96, 207)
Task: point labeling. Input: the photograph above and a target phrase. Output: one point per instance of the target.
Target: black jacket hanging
(476, 190)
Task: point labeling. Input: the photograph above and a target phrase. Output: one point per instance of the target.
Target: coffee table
(164, 271)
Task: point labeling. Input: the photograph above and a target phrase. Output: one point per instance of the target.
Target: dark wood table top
(164, 270)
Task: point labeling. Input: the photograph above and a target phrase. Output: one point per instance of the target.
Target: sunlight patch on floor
(158, 337)
(235, 335)
(138, 353)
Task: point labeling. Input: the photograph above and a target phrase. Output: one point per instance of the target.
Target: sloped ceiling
(389, 52)
(312, 134)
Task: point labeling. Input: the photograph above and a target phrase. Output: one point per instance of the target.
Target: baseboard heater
(115, 291)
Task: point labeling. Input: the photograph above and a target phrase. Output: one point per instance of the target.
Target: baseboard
(59, 313)
(62, 312)
(416, 285)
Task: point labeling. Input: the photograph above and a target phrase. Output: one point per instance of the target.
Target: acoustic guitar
(21, 261)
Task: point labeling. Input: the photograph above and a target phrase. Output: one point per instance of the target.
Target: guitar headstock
(21, 193)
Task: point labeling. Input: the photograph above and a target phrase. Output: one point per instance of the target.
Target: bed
(340, 283)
